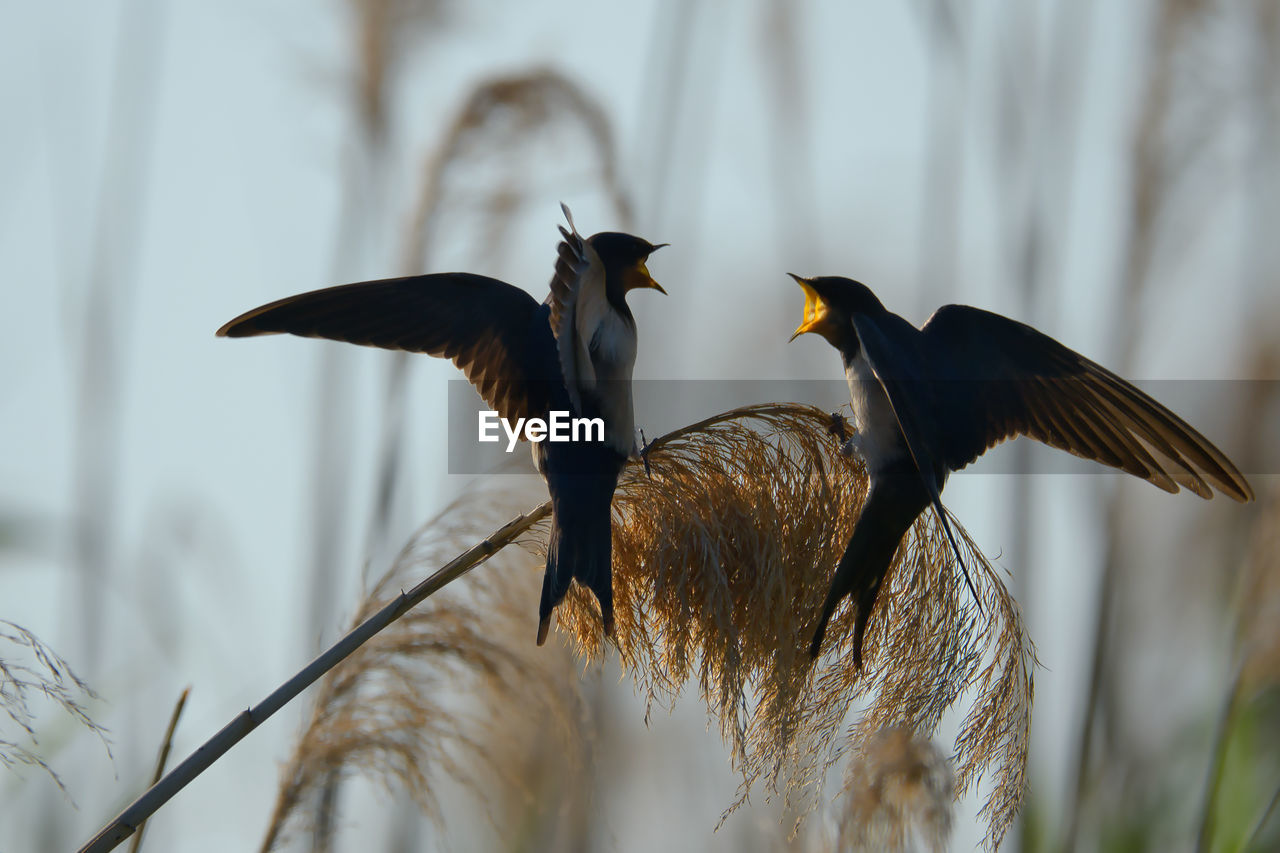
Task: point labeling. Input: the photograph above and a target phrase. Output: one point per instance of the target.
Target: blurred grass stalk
(1195, 112)
(1169, 188)
(166, 744)
(378, 37)
(1036, 97)
(1256, 671)
(103, 290)
(108, 298)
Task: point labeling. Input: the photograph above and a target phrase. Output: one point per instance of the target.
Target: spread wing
(578, 303)
(487, 327)
(1006, 379)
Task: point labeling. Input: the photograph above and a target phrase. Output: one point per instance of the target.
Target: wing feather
(577, 301)
(1012, 380)
(487, 327)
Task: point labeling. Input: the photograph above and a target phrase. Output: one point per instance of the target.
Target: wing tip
(568, 215)
(249, 325)
(242, 327)
(1238, 489)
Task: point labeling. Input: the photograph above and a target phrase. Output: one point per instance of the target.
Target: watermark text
(560, 426)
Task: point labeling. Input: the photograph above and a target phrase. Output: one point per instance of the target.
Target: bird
(574, 352)
(930, 401)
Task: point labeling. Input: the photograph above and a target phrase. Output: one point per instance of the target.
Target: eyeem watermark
(561, 426)
(1226, 411)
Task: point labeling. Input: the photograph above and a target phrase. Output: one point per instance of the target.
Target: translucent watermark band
(1240, 417)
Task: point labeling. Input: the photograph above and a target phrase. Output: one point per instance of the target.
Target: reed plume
(489, 149)
(723, 550)
(446, 690)
(385, 31)
(31, 670)
(899, 788)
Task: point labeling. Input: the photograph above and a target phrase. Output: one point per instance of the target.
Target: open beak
(815, 310)
(646, 279)
(641, 279)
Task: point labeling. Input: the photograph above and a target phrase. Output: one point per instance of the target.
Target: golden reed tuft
(723, 553)
(454, 691)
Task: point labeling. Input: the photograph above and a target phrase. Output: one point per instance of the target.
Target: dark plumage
(929, 401)
(574, 352)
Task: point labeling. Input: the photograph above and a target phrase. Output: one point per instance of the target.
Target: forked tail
(891, 507)
(580, 546)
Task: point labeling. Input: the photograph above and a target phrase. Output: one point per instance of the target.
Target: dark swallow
(929, 401)
(574, 352)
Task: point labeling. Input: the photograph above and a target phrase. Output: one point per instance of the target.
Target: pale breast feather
(613, 358)
(591, 310)
(879, 437)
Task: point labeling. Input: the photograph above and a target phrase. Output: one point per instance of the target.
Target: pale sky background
(238, 193)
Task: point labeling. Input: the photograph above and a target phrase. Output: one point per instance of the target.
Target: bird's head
(624, 256)
(830, 303)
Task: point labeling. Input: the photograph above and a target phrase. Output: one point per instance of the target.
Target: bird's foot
(644, 455)
(837, 427)
(849, 443)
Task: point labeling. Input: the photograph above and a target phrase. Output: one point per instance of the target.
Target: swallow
(573, 352)
(930, 401)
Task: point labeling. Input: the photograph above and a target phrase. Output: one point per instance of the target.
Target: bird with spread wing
(930, 401)
(574, 352)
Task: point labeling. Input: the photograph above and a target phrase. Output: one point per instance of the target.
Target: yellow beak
(646, 280)
(815, 310)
